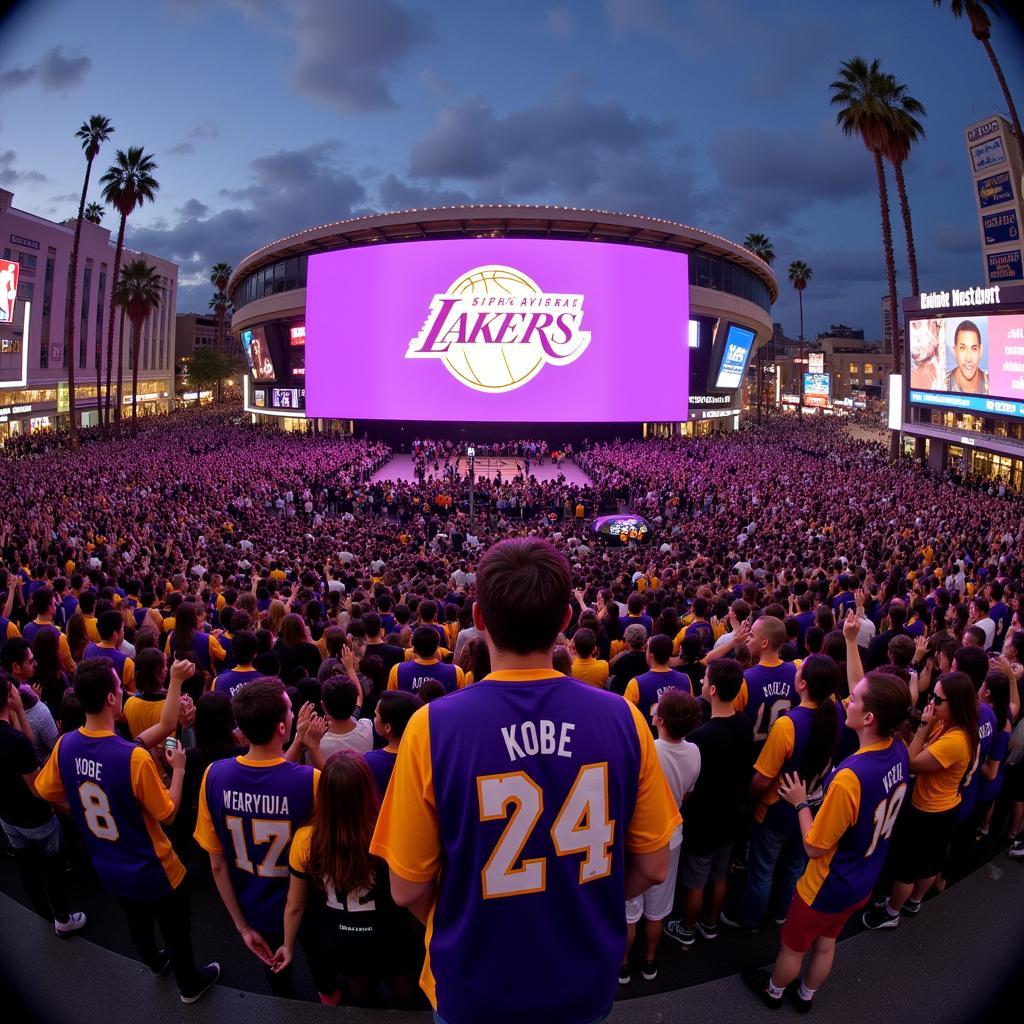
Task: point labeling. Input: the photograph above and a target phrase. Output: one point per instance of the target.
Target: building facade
(729, 290)
(33, 353)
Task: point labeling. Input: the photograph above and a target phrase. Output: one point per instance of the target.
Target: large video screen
(735, 354)
(968, 362)
(502, 330)
(817, 390)
(257, 354)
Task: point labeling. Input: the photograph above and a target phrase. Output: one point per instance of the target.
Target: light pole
(471, 455)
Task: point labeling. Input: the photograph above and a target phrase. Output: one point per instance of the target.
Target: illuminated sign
(981, 131)
(710, 399)
(298, 335)
(817, 390)
(693, 337)
(495, 329)
(988, 154)
(895, 401)
(738, 344)
(9, 272)
(1005, 266)
(995, 190)
(1000, 227)
(957, 297)
(816, 362)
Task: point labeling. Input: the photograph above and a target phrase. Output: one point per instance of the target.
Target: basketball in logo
(499, 367)
(495, 329)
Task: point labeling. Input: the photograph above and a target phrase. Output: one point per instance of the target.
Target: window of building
(869, 368)
(83, 335)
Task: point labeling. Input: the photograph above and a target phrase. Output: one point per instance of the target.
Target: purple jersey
(986, 737)
(249, 810)
(413, 674)
(112, 654)
(652, 685)
(231, 681)
(131, 860)
(989, 789)
(771, 690)
(382, 764)
(834, 883)
(557, 762)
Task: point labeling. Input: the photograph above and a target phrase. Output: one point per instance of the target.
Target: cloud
(10, 175)
(400, 195)
(54, 71)
(288, 190)
(347, 49)
(570, 147)
(206, 130)
(181, 149)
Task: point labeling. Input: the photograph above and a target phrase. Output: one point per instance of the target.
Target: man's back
(529, 782)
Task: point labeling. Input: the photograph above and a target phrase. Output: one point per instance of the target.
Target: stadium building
(680, 368)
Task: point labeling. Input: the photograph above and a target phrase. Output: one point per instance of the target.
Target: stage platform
(401, 467)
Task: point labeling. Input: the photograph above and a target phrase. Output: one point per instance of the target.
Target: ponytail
(888, 698)
(819, 673)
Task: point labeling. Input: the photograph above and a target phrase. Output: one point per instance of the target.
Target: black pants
(173, 914)
(283, 983)
(43, 881)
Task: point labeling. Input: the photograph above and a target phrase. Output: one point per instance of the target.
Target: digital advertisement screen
(817, 390)
(297, 335)
(285, 398)
(497, 330)
(257, 354)
(738, 343)
(9, 272)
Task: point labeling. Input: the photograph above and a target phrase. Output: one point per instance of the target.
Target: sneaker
(625, 974)
(738, 862)
(649, 970)
(74, 923)
(911, 907)
(163, 961)
(981, 834)
(780, 921)
(736, 922)
(707, 931)
(879, 917)
(757, 982)
(1016, 852)
(800, 1004)
(210, 974)
(684, 936)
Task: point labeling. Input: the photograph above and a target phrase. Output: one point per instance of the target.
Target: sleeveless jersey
(775, 812)
(872, 785)
(652, 685)
(535, 781)
(986, 737)
(771, 690)
(412, 675)
(231, 681)
(249, 811)
(118, 658)
(129, 851)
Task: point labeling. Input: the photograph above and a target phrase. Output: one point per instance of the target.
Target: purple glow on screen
(506, 330)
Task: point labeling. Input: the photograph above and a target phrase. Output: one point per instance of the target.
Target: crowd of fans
(806, 608)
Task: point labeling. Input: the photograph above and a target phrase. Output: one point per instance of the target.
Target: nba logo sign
(8, 290)
(495, 329)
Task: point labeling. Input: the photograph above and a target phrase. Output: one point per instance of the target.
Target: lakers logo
(495, 329)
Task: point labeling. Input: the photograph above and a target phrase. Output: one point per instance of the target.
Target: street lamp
(471, 455)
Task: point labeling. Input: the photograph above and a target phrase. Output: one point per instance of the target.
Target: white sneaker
(74, 923)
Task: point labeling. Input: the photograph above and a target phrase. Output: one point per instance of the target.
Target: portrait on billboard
(927, 355)
(8, 290)
(967, 356)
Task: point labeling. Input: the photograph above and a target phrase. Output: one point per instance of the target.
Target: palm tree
(128, 183)
(905, 131)
(799, 274)
(92, 134)
(94, 213)
(862, 92)
(219, 275)
(981, 27)
(761, 246)
(222, 306)
(120, 296)
(139, 293)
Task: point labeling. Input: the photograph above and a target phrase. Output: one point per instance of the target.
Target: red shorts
(804, 924)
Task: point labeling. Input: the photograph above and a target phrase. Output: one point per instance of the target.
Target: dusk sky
(269, 117)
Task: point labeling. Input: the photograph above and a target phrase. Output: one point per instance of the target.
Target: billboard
(1000, 228)
(817, 390)
(1004, 266)
(995, 190)
(816, 362)
(9, 271)
(497, 330)
(988, 154)
(257, 354)
(735, 353)
(286, 398)
(966, 361)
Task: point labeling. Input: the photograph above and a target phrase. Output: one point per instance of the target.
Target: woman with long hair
(995, 692)
(942, 755)
(189, 642)
(298, 655)
(50, 679)
(846, 841)
(78, 636)
(801, 741)
(352, 926)
(275, 616)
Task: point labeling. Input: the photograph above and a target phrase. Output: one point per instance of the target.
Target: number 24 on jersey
(581, 827)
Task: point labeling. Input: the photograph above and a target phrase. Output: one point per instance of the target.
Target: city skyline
(265, 120)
